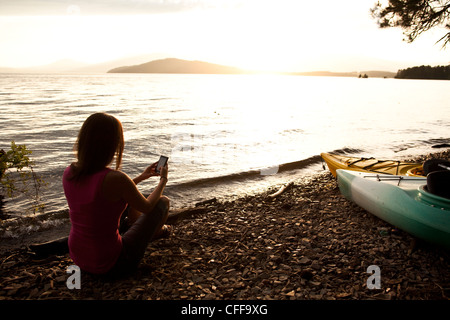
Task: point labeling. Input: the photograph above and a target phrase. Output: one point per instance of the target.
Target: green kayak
(401, 201)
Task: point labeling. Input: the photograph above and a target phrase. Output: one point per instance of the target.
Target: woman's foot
(165, 232)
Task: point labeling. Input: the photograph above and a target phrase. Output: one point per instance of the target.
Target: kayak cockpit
(432, 199)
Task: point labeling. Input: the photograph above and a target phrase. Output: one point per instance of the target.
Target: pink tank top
(94, 240)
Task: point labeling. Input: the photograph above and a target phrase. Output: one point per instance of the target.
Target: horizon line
(93, 64)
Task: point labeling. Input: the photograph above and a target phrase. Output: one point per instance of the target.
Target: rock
(291, 293)
(306, 274)
(304, 260)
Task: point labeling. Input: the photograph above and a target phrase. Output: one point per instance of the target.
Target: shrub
(17, 175)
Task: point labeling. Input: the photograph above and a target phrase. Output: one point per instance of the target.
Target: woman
(98, 196)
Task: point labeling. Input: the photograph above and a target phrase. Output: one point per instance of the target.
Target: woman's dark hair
(99, 140)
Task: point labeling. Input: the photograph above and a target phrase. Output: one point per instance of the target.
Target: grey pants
(136, 239)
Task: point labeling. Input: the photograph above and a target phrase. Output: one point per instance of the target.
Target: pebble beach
(305, 243)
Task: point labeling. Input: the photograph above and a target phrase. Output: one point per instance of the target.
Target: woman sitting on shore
(98, 196)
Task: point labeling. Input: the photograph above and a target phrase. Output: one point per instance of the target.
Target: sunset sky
(273, 35)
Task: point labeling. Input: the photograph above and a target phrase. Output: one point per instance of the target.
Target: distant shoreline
(175, 66)
(303, 74)
(179, 66)
(370, 74)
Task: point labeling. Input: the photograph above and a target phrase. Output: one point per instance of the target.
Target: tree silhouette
(425, 72)
(414, 16)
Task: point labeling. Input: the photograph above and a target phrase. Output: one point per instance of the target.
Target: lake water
(225, 135)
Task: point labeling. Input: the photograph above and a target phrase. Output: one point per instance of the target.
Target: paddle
(434, 165)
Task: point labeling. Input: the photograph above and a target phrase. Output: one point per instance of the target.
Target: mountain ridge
(137, 64)
(174, 65)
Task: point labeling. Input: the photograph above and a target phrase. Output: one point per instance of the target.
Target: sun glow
(283, 35)
(267, 39)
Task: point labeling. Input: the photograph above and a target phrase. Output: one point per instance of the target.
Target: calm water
(225, 134)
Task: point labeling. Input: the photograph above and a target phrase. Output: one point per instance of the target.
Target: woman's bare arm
(118, 185)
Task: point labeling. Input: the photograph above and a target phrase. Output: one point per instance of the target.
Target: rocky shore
(305, 243)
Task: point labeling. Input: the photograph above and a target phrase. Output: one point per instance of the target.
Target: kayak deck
(392, 167)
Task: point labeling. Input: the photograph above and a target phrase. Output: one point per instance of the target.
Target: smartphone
(161, 163)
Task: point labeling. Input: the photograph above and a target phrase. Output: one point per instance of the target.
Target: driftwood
(281, 190)
(177, 215)
(206, 202)
(57, 246)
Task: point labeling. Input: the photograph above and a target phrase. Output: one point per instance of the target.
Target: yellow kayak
(372, 165)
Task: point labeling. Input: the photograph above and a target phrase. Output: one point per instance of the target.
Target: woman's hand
(150, 171)
(164, 171)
